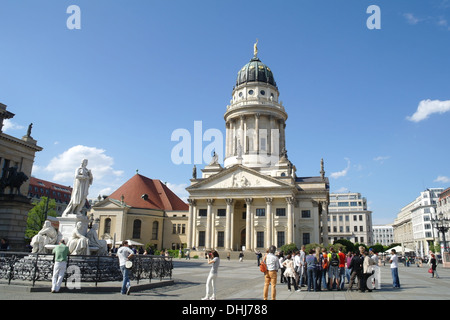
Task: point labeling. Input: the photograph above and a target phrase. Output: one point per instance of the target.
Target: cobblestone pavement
(238, 281)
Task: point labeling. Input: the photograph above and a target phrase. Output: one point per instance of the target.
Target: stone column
(269, 217)
(290, 220)
(228, 224)
(257, 132)
(324, 205)
(209, 222)
(248, 225)
(191, 225)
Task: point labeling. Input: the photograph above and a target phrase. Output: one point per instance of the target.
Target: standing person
(394, 269)
(333, 273)
(367, 272)
(282, 267)
(341, 255)
(311, 265)
(324, 268)
(302, 268)
(348, 270)
(319, 269)
(356, 265)
(270, 276)
(433, 265)
(289, 273)
(214, 260)
(377, 278)
(296, 260)
(61, 252)
(125, 254)
(241, 256)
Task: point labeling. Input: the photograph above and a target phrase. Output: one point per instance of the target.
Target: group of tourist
(320, 269)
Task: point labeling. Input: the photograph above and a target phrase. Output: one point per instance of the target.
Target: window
(202, 212)
(280, 239)
(260, 212)
(201, 238)
(260, 239)
(306, 213)
(220, 239)
(355, 218)
(137, 229)
(221, 212)
(360, 217)
(107, 226)
(155, 228)
(280, 212)
(306, 238)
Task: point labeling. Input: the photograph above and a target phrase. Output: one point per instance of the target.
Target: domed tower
(255, 119)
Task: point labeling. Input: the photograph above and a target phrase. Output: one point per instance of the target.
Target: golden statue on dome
(255, 48)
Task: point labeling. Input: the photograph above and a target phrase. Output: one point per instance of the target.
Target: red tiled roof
(159, 195)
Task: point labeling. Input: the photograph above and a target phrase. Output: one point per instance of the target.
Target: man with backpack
(333, 273)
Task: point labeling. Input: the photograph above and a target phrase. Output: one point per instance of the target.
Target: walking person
(61, 252)
(214, 260)
(311, 270)
(394, 269)
(125, 254)
(270, 276)
(289, 273)
(433, 264)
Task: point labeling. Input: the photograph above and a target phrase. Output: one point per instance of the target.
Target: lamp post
(442, 224)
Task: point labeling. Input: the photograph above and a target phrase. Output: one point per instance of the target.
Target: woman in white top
(213, 258)
(289, 273)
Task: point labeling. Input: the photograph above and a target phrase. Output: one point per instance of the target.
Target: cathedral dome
(255, 71)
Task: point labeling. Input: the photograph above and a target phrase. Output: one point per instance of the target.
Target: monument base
(13, 219)
(68, 223)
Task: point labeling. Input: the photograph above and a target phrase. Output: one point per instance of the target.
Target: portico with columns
(256, 199)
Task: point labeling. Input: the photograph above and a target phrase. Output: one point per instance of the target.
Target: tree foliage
(37, 215)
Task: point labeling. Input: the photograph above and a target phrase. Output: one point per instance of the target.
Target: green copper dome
(255, 71)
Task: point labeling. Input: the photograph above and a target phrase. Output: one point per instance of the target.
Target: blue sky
(115, 90)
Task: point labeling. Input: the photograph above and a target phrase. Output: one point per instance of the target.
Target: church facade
(255, 199)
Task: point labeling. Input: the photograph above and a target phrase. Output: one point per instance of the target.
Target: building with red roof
(143, 210)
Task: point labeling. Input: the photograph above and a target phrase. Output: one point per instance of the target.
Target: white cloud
(442, 179)
(341, 173)
(179, 190)
(342, 190)
(411, 19)
(9, 125)
(381, 159)
(428, 107)
(62, 168)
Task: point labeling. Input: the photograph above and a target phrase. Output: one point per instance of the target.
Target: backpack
(263, 266)
(334, 260)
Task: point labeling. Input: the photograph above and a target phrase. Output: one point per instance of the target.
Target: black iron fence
(39, 267)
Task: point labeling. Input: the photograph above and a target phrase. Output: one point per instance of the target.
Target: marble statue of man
(83, 179)
(94, 241)
(78, 244)
(47, 235)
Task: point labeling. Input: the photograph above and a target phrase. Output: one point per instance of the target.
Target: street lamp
(442, 224)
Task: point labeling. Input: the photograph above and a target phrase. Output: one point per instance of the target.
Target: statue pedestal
(69, 223)
(13, 219)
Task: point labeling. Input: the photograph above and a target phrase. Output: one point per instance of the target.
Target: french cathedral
(255, 199)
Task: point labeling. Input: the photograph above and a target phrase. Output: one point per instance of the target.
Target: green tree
(37, 216)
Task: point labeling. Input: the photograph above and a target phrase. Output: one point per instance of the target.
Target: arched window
(155, 230)
(107, 227)
(137, 229)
